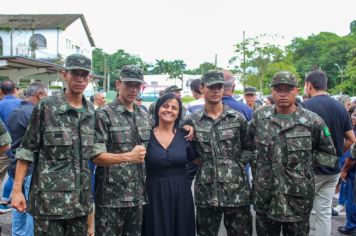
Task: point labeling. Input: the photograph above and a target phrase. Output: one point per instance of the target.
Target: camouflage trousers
(67, 227)
(268, 227)
(237, 220)
(124, 221)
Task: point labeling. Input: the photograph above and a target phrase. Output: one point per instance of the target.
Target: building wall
(74, 40)
(71, 40)
(21, 43)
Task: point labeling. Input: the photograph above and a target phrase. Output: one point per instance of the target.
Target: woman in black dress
(170, 208)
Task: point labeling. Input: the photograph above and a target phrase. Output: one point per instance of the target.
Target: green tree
(258, 55)
(353, 26)
(322, 51)
(111, 64)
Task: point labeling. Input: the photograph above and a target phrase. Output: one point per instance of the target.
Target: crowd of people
(84, 168)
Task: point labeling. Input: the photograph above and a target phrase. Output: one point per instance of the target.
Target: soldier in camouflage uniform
(289, 139)
(151, 108)
(5, 143)
(221, 185)
(122, 133)
(250, 97)
(59, 141)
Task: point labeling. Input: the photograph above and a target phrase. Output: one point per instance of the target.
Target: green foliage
(322, 51)
(187, 99)
(348, 86)
(105, 64)
(259, 53)
(353, 26)
(204, 67)
(174, 69)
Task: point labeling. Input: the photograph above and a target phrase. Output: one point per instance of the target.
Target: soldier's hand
(138, 154)
(18, 201)
(190, 131)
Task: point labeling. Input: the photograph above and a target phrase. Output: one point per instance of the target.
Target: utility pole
(244, 61)
(341, 72)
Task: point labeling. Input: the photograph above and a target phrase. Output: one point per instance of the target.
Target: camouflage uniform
(5, 139)
(283, 188)
(252, 90)
(59, 140)
(221, 185)
(4, 135)
(119, 193)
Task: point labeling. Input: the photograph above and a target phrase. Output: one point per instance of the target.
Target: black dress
(170, 208)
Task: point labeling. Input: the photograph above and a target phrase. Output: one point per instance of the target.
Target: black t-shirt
(336, 118)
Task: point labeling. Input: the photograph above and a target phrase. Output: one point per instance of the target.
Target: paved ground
(5, 223)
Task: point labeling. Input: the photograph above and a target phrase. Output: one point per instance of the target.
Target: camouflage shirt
(221, 180)
(283, 185)
(59, 141)
(118, 131)
(5, 137)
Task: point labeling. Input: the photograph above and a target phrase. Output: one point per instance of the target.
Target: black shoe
(334, 213)
(343, 230)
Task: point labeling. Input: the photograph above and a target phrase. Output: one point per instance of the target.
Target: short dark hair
(318, 79)
(195, 85)
(162, 100)
(8, 87)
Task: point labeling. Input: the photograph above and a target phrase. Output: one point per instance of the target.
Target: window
(1, 47)
(37, 41)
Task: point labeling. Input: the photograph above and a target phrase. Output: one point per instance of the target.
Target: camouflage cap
(212, 77)
(250, 90)
(78, 62)
(172, 88)
(131, 73)
(284, 77)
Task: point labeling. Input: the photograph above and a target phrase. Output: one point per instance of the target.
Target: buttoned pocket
(121, 138)
(202, 136)
(299, 147)
(144, 133)
(56, 176)
(203, 188)
(58, 142)
(126, 180)
(57, 203)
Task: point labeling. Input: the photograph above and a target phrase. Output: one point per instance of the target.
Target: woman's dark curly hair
(162, 100)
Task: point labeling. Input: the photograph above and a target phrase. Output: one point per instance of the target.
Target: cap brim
(208, 84)
(174, 90)
(251, 93)
(77, 68)
(133, 80)
(295, 85)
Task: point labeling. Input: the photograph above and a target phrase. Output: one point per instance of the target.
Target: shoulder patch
(326, 131)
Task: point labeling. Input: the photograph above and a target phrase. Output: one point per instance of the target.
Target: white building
(46, 37)
(156, 83)
(34, 47)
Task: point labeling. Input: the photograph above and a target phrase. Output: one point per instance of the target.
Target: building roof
(45, 21)
(19, 63)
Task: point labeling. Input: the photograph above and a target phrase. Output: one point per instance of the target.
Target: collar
(120, 108)
(227, 111)
(270, 113)
(9, 96)
(64, 105)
